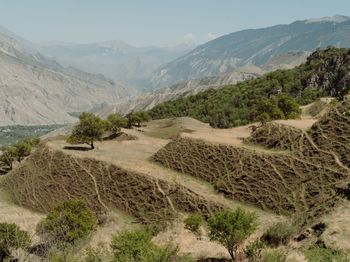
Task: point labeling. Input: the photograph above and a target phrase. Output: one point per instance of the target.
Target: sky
(153, 22)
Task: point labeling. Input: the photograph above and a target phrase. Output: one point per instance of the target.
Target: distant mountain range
(115, 59)
(152, 98)
(35, 90)
(253, 47)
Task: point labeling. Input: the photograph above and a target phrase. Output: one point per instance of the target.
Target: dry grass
(301, 182)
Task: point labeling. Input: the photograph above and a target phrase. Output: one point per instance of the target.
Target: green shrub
(115, 122)
(68, 223)
(323, 254)
(11, 238)
(278, 234)
(274, 256)
(97, 255)
(137, 246)
(231, 228)
(253, 251)
(193, 223)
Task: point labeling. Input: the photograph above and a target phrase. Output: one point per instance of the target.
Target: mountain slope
(114, 59)
(254, 46)
(35, 90)
(149, 100)
(194, 86)
(272, 96)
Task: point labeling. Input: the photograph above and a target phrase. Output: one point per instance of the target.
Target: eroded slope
(298, 176)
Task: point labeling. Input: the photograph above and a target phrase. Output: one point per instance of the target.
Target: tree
(136, 118)
(137, 246)
(11, 238)
(115, 122)
(68, 223)
(263, 118)
(8, 156)
(23, 149)
(289, 106)
(231, 228)
(89, 129)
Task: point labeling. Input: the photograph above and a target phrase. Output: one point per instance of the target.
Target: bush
(97, 255)
(274, 256)
(68, 223)
(231, 228)
(278, 234)
(137, 246)
(193, 223)
(317, 253)
(11, 238)
(253, 251)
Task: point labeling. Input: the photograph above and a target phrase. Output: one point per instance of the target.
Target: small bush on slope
(231, 228)
(278, 234)
(136, 246)
(274, 256)
(11, 238)
(68, 223)
(193, 223)
(324, 254)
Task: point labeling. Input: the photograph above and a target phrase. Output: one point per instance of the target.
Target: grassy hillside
(273, 96)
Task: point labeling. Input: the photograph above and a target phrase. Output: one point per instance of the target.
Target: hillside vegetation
(276, 95)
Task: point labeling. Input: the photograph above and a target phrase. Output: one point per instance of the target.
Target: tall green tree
(115, 122)
(231, 228)
(89, 129)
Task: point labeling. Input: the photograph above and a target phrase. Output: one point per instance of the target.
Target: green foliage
(68, 223)
(253, 251)
(12, 238)
(347, 112)
(136, 246)
(115, 122)
(231, 228)
(278, 94)
(8, 156)
(89, 129)
(193, 223)
(323, 254)
(274, 256)
(17, 152)
(10, 135)
(23, 149)
(278, 234)
(289, 107)
(136, 118)
(97, 255)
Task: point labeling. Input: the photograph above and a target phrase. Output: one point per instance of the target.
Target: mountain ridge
(253, 46)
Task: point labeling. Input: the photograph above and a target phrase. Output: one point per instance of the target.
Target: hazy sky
(153, 22)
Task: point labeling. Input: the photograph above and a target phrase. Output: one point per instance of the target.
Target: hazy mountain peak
(335, 19)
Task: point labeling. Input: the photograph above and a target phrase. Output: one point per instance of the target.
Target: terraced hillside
(120, 177)
(290, 167)
(285, 169)
(49, 177)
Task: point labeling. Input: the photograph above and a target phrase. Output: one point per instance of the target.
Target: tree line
(91, 128)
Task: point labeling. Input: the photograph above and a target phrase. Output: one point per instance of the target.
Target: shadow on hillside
(77, 148)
